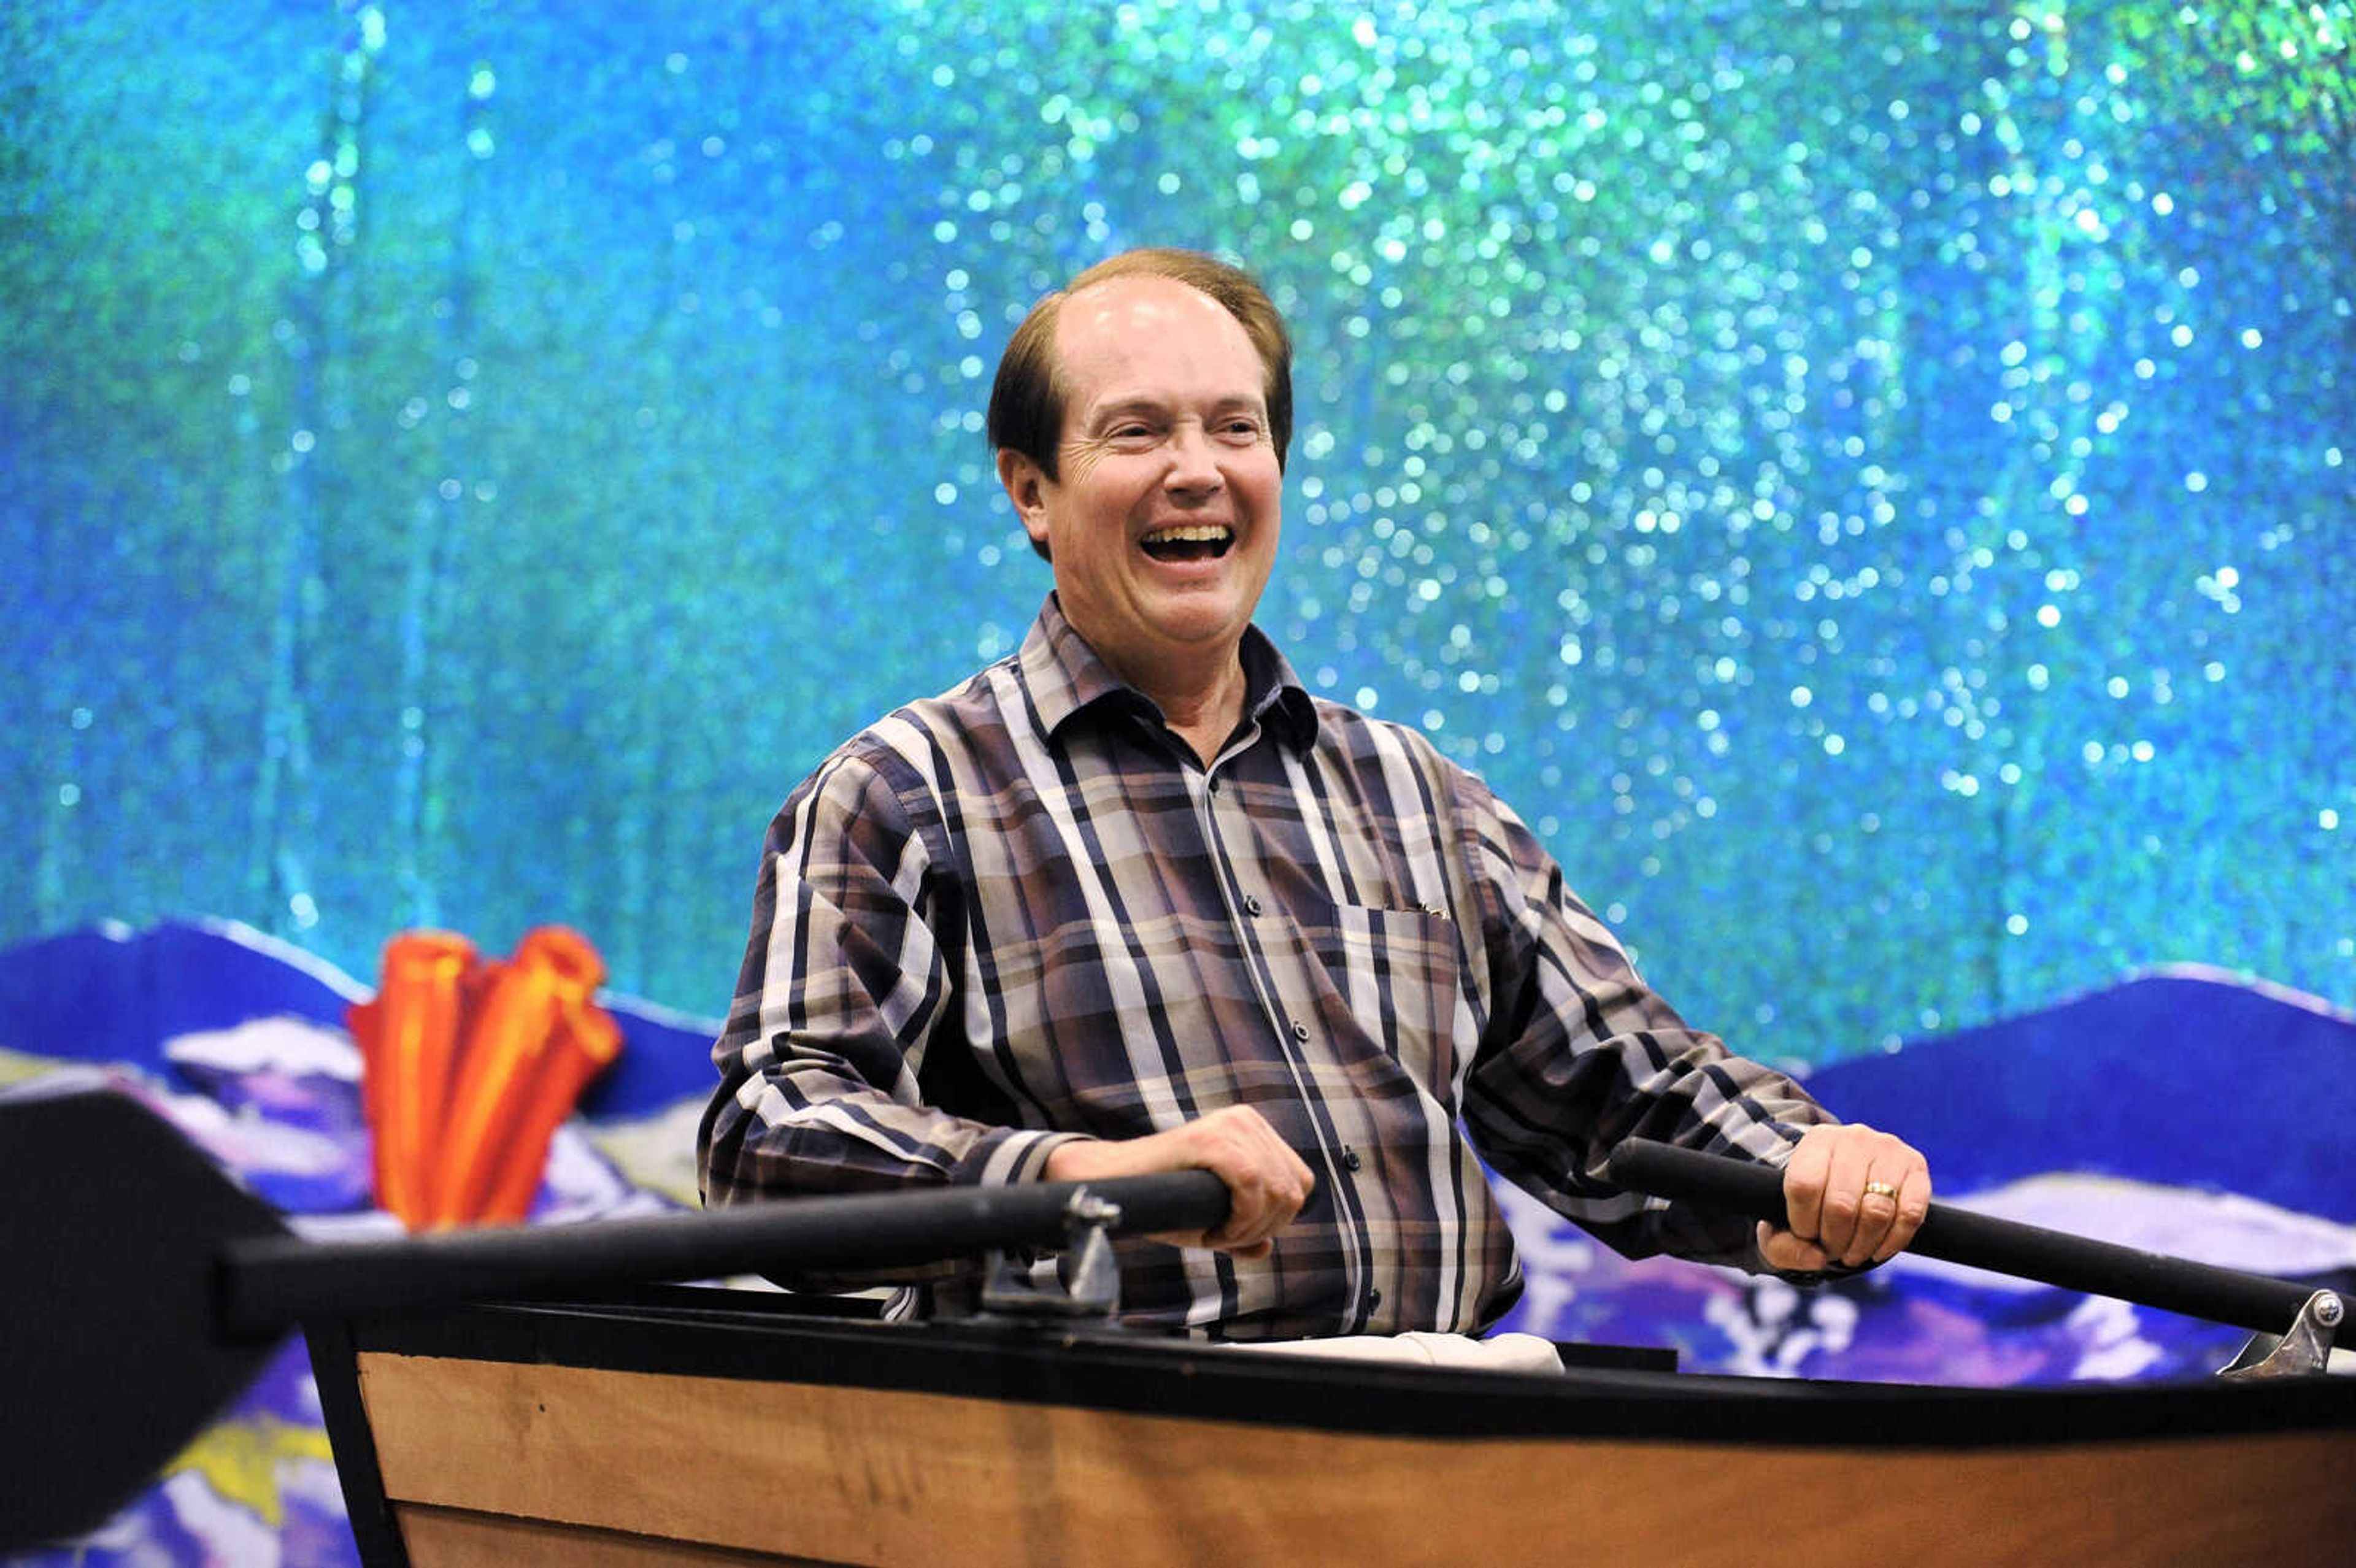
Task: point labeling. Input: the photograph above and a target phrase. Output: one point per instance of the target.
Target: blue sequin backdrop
(1872, 483)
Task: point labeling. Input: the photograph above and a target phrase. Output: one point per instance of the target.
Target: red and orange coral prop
(469, 1065)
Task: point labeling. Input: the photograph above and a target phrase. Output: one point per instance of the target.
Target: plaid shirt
(1024, 911)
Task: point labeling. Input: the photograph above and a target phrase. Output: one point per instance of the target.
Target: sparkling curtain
(1871, 483)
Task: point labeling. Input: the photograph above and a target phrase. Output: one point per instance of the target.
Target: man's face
(1163, 521)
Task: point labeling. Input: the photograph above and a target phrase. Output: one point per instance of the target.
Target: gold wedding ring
(1880, 1189)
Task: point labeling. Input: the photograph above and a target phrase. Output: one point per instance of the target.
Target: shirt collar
(1066, 679)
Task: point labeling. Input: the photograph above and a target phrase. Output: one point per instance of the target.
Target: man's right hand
(1267, 1182)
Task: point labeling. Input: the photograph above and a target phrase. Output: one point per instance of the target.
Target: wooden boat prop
(718, 1428)
(620, 1430)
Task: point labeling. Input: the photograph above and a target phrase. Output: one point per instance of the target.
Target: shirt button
(1374, 1299)
(1213, 786)
(1299, 1030)
(1349, 1159)
(1251, 905)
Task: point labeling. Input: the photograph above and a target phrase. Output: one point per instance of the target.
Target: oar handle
(264, 1284)
(1955, 1235)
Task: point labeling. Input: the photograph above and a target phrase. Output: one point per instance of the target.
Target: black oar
(145, 1289)
(1955, 1235)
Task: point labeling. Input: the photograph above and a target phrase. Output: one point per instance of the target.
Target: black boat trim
(710, 1333)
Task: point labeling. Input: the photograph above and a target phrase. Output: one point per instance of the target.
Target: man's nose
(1194, 462)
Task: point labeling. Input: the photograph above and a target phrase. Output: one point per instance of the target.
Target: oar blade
(110, 1221)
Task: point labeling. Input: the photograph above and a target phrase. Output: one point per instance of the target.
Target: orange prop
(409, 1043)
(471, 1066)
(583, 1042)
(515, 1078)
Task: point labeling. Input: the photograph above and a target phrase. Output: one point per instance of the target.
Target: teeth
(1191, 533)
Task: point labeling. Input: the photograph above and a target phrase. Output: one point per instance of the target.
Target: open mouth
(1198, 541)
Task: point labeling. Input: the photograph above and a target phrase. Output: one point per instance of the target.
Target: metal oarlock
(2303, 1351)
(1091, 1287)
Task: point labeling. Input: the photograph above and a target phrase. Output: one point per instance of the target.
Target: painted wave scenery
(2186, 1112)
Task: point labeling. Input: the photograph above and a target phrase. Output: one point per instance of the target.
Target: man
(1133, 900)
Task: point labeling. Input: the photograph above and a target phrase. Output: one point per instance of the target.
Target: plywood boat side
(621, 1435)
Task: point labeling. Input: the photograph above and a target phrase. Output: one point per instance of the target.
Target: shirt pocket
(1390, 986)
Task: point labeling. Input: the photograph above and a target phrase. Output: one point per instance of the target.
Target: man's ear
(1026, 487)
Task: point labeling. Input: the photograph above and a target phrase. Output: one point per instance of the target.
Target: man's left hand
(1854, 1197)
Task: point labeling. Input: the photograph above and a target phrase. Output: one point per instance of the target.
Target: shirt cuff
(1020, 1157)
